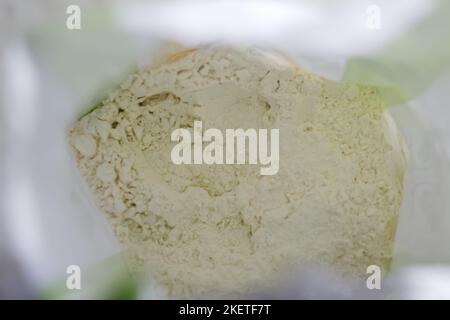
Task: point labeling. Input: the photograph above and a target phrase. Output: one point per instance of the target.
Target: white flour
(201, 230)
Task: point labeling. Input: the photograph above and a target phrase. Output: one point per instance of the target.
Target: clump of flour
(211, 230)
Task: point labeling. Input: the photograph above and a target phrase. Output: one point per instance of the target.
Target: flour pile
(215, 230)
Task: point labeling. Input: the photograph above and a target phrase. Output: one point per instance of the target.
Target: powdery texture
(210, 231)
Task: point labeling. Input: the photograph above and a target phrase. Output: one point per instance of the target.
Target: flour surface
(215, 230)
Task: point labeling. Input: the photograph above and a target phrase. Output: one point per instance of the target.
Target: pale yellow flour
(210, 231)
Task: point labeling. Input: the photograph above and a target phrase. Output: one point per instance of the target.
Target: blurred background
(54, 67)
